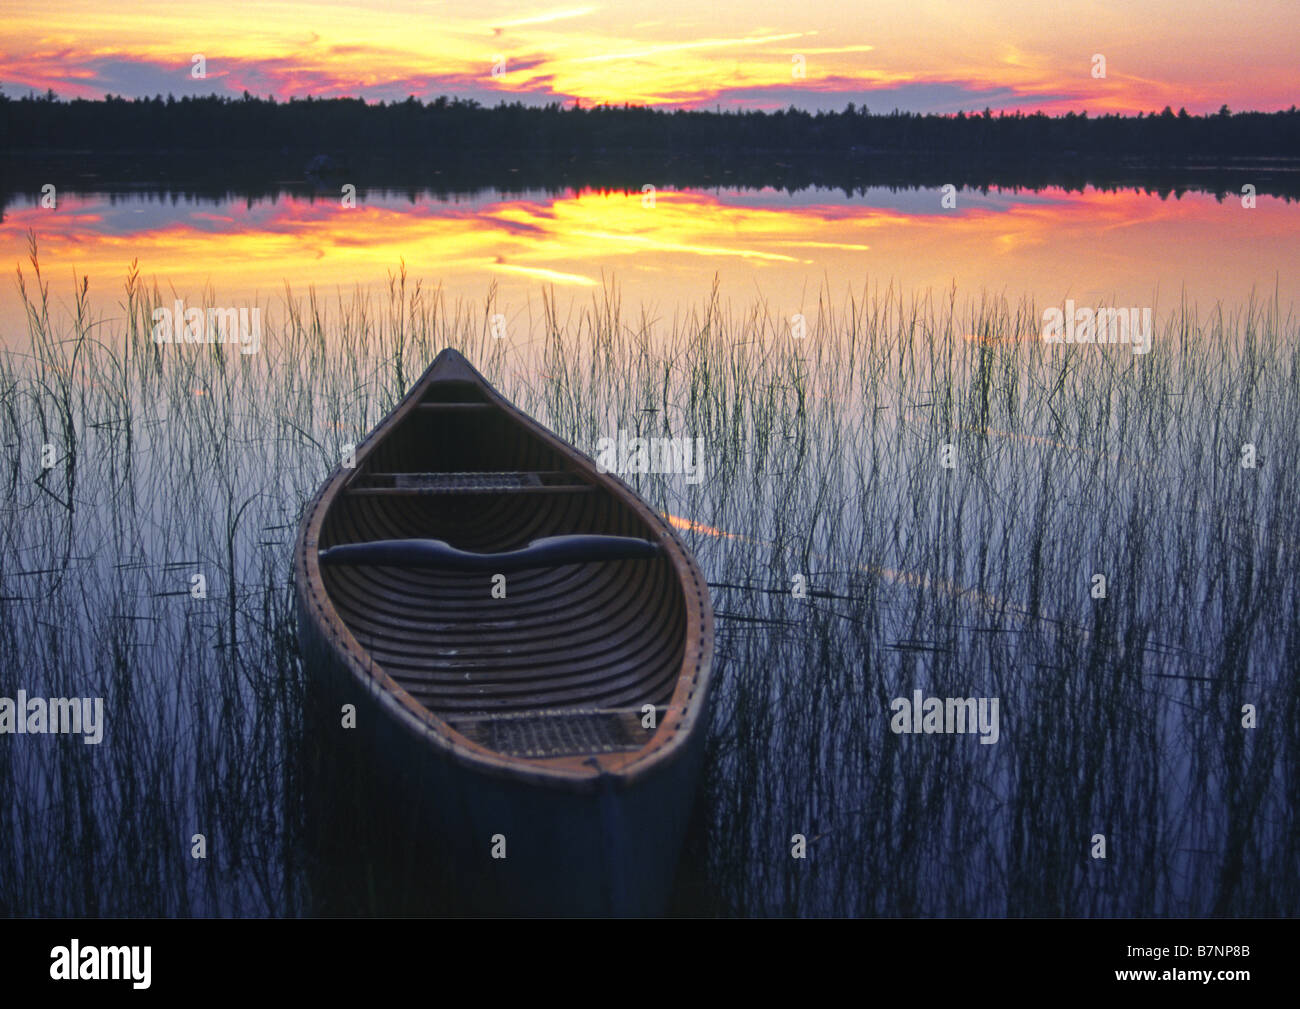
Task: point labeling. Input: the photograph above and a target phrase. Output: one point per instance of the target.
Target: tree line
(455, 127)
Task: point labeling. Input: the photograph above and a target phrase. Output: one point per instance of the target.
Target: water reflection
(665, 246)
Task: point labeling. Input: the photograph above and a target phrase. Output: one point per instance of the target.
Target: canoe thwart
(499, 482)
(550, 551)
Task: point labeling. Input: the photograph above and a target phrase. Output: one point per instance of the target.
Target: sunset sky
(918, 55)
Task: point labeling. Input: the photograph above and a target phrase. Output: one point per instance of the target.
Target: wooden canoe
(561, 725)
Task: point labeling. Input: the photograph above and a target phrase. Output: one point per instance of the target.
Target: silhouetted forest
(453, 128)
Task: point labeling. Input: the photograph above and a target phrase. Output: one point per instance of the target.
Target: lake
(663, 250)
(944, 487)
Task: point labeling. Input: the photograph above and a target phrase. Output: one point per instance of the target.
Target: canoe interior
(565, 662)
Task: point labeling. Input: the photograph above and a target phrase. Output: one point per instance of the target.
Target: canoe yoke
(551, 551)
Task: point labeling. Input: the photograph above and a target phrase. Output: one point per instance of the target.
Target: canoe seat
(557, 732)
(498, 482)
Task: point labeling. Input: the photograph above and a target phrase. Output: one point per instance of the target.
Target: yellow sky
(924, 54)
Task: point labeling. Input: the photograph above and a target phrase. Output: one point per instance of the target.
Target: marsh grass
(1120, 716)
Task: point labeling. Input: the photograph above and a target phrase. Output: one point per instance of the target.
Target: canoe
(527, 643)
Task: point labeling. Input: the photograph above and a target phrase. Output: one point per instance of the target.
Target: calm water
(664, 250)
(1122, 719)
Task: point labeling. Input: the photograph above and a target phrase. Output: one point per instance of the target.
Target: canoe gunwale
(685, 708)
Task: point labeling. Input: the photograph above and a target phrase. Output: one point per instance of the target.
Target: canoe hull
(508, 726)
(611, 852)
